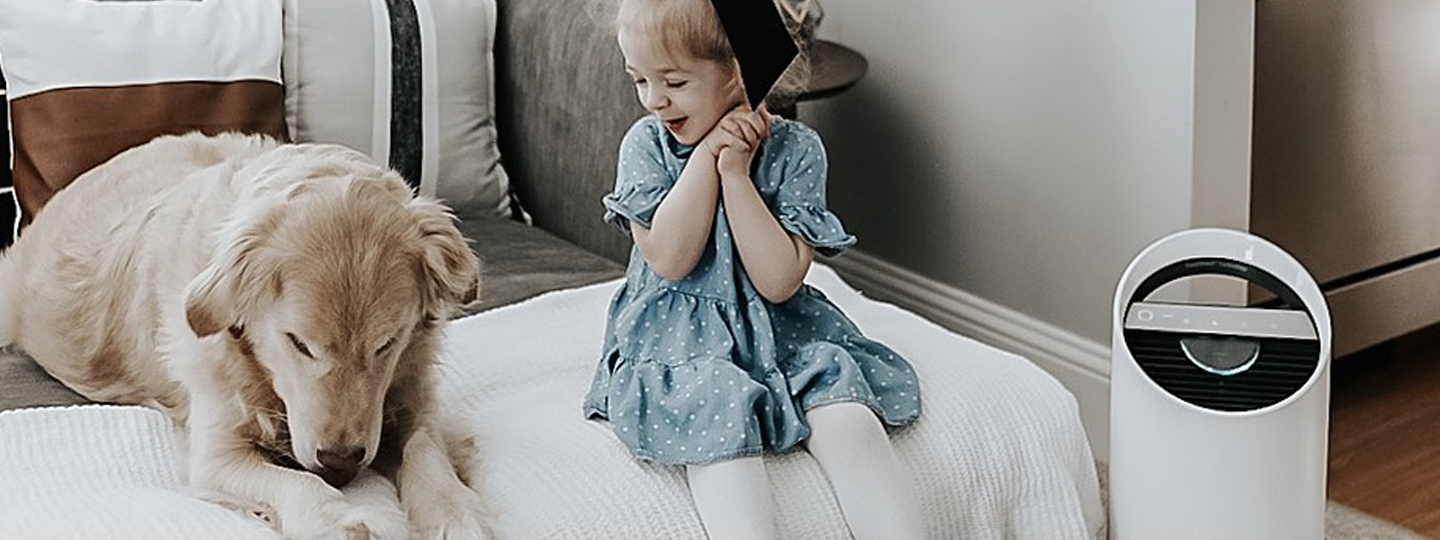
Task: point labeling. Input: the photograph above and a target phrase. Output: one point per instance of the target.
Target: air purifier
(1218, 414)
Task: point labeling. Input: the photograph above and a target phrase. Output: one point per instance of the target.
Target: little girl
(715, 351)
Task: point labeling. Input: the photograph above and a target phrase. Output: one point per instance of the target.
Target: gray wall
(1022, 151)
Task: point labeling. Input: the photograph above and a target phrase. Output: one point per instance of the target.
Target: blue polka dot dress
(703, 369)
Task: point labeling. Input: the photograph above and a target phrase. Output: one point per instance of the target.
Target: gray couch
(563, 102)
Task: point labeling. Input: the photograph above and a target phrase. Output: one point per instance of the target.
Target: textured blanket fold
(999, 452)
(102, 472)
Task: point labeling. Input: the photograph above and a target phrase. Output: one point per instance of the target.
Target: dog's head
(334, 275)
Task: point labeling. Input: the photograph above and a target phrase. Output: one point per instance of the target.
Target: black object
(761, 43)
(9, 210)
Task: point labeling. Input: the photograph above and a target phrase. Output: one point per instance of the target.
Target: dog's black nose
(341, 458)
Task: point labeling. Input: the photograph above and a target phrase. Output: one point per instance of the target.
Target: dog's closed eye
(299, 345)
(386, 347)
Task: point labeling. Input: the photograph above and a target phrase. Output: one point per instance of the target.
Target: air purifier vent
(1283, 367)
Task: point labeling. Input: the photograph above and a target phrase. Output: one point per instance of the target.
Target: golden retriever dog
(281, 302)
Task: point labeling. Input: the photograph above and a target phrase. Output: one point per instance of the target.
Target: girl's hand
(718, 139)
(734, 162)
(741, 133)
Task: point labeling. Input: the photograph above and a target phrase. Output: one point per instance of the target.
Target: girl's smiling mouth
(675, 124)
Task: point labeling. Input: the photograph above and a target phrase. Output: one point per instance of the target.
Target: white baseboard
(1081, 364)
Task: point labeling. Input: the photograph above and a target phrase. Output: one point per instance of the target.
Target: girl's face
(688, 94)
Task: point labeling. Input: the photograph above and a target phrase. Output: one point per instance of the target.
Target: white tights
(852, 448)
(734, 499)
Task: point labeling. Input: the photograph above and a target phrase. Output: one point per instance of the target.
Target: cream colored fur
(283, 302)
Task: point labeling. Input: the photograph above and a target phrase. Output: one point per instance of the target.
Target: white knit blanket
(109, 472)
(998, 453)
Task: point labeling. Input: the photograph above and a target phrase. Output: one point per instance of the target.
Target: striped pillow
(409, 82)
(87, 80)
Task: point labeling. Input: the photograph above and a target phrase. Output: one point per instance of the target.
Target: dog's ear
(207, 307)
(235, 280)
(450, 272)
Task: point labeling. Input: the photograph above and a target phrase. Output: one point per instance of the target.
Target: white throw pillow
(88, 80)
(409, 82)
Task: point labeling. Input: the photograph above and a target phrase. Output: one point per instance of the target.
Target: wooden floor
(1385, 432)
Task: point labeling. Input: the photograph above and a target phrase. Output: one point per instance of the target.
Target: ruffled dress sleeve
(641, 178)
(800, 202)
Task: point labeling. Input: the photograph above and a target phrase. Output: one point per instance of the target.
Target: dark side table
(834, 68)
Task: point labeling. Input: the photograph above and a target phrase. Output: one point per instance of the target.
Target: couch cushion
(88, 80)
(564, 103)
(517, 262)
(408, 82)
(24, 384)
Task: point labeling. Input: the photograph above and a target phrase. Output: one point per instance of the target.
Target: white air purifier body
(1219, 416)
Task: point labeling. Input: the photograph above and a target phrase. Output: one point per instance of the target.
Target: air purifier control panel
(1202, 319)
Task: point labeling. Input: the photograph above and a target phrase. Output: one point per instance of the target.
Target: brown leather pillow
(88, 80)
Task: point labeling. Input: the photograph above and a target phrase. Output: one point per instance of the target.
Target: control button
(1145, 315)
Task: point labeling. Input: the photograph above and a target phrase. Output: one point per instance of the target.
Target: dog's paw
(340, 520)
(374, 498)
(334, 520)
(246, 507)
(453, 515)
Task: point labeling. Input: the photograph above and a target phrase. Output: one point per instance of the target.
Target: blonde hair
(678, 27)
(691, 28)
